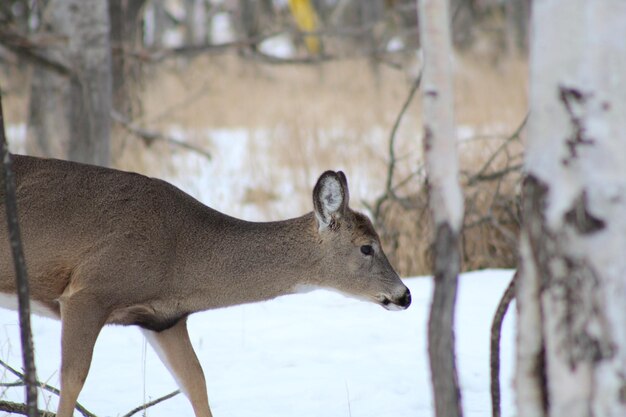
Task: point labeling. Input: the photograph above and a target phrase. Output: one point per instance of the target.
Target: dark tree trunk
(517, 22)
(441, 324)
(125, 18)
(195, 22)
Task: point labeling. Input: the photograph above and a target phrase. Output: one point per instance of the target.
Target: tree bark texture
(9, 200)
(572, 291)
(445, 196)
(517, 17)
(17, 408)
(441, 352)
(70, 116)
(124, 17)
(195, 22)
(494, 351)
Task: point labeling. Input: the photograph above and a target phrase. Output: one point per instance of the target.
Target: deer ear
(344, 184)
(330, 199)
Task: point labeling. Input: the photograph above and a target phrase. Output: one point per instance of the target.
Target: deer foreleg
(175, 350)
(81, 324)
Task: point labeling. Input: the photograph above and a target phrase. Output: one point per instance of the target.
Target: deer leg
(81, 323)
(175, 350)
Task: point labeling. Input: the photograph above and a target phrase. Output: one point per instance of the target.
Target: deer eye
(367, 250)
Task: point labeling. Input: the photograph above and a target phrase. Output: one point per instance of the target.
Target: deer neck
(242, 262)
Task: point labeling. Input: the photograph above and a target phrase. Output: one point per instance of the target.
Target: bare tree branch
(496, 332)
(15, 408)
(496, 175)
(514, 136)
(46, 387)
(394, 131)
(12, 384)
(31, 50)
(389, 192)
(152, 403)
(151, 135)
(22, 409)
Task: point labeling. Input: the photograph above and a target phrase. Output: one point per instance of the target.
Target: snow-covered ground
(316, 354)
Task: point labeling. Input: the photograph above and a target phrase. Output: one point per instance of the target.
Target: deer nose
(405, 300)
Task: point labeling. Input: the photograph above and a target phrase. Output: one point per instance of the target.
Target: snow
(314, 354)
(221, 29)
(278, 46)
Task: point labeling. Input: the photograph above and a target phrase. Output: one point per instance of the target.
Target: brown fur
(106, 246)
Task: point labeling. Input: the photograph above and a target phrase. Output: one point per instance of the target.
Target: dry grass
(491, 221)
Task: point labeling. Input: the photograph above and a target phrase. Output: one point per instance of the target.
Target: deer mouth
(402, 303)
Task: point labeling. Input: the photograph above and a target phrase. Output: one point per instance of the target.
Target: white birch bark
(438, 114)
(446, 200)
(573, 288)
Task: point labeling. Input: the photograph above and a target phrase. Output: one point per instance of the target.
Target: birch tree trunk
(70, 116)
(446, 200)
(571, 358)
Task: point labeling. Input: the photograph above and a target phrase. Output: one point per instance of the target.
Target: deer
(104, 246)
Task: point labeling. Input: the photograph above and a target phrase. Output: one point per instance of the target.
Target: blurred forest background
(269, 93)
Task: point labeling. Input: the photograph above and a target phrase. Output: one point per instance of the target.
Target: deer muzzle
(401, 302)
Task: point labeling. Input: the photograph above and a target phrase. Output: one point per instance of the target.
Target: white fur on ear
(330, 194)
(328, 198)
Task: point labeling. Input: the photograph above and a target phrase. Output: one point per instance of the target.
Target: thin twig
(152, 403)
(19, 383)
(496, 331)
(389, 192)
(12, 370)
(19, 408)
(509, 236)
(151, 135)
(496, 175)
(30, 50)
(405, 181)
(79, 407)
(46, 387)
(348, 398)
(515, 135)
(179, 105)
(394, 131)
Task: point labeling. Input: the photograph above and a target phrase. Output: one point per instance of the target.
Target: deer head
(354, 261)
